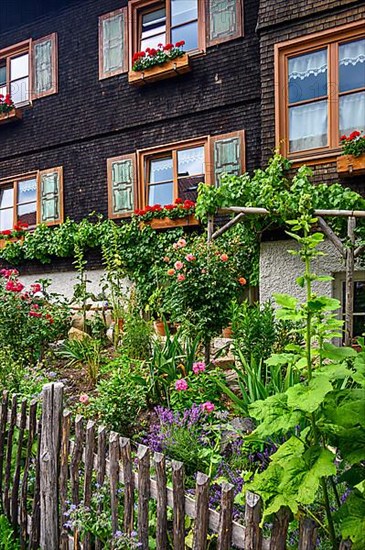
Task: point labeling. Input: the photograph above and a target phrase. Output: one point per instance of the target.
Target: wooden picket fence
(42, 453)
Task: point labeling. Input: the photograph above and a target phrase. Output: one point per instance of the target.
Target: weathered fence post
(225, 522)
(253, 533)
(52, 395)
(161, 481)
(202, 512)
(178, 487)
(307, 534)
(280, 529)
(143, 456)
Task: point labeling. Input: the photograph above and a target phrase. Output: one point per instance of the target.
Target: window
(174, 173)
(31, 199)
(24, 62)
(153, 23)
(359, 303)
(320, 91)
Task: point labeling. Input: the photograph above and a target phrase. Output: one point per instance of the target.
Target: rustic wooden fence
(42, 453)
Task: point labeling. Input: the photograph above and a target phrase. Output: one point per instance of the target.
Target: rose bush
(29, 319)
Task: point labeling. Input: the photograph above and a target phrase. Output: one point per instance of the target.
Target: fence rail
(43, 452)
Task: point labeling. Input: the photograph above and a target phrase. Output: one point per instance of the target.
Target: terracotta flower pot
(227, 332)
(159, 328)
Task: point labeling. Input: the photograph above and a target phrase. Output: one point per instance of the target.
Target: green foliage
(87, 353)
(120, 397)
(322, 413)
(17, 378)
(7, 538)
(202, 387)
(354, 144)
(136, 338)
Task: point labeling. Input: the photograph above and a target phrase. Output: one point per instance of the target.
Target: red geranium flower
(178, 201)
(168, 47)
(179, 44)
(354, 134)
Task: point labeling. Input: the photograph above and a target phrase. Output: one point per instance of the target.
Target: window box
(172, 68)
(162, 223)
(12, 116)
(348, 165)
(5, 242)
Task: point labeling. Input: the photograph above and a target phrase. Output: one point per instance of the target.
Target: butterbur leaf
(275, 416)
(309, 397)
(281, 359)
(323, 303)
(351, 517)
(285, 300)
(320, 464)
(336, 371)
(337, 354)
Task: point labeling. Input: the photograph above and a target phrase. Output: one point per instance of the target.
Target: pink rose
(181, 385)
(84, 399)
(181, 243)
(181, 277)
(178, 265)
(190, 257)
(166, 259)
(224, 257)
(208, 407)
(198, 367)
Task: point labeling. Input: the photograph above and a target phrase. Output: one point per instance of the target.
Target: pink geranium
(181, 385)
(208, 407)
(198, 367)
(84, 399)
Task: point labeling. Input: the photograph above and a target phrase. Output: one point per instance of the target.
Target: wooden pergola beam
(229, 224)
(264, 212)
(331, 236)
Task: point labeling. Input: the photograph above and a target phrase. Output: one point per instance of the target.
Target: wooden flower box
(162, 223)
(348, 165)
(5, 242)
(172, 68)
(14, 115)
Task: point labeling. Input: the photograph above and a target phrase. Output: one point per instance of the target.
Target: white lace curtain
(352, 113)
(353, 53)
(308, 126)
(311, 64)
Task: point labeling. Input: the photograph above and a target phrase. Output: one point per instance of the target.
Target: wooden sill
(14, 115)
(348, 165)
(170, 69)
(164, 223)
(4, 242)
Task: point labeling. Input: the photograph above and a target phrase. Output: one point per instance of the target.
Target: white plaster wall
(279, 269)
(63, 282)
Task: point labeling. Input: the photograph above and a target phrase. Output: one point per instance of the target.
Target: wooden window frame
(110, 161)
(14, 51)
(36, 174)
(54, 90)
(240, 25)
(330, 39)
(102, 73)
(145, 156)
(134, 10)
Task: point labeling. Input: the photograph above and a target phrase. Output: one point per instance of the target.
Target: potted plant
(179, 214)
(352, 160)
(8, 112)
(158, 64)
(12, 235)
(155, 307)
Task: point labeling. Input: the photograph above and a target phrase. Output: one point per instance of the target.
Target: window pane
(19, 67)
(6, 197)
(27, 213)
(161, 170)
(308, 126)
(161, 194)
(153, 42)
(6, 219)
(359, 296)
(352, 112)
(308, 76)
(153, 23)
(2, 74)
(27, 191)
(189, 33)
(183, 11)
(190, 161)
(359, 325)
(352, 65)
(19, 90)
(3, 90)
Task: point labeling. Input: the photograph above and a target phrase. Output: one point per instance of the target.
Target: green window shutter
(51, 196)
(44, 63)
(225, 20)
(112, 43)
(122, 188)
(228, 155)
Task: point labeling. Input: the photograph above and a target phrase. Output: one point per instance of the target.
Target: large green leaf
(336, 353)
(308, 397)
(285, 300)
(351, 518)
(274, 416)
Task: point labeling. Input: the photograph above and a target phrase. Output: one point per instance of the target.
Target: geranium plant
(18, 231)
(151, 57)
(6, 104)
(354, 144)
(180, 209)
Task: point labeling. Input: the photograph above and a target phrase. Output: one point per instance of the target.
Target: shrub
(136, 339)
(29, 320)
(121, 397)
(83, 353)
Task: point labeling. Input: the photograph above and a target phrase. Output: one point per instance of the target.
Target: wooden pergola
(348, 253)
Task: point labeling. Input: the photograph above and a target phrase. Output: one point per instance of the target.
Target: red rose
(35, 314)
